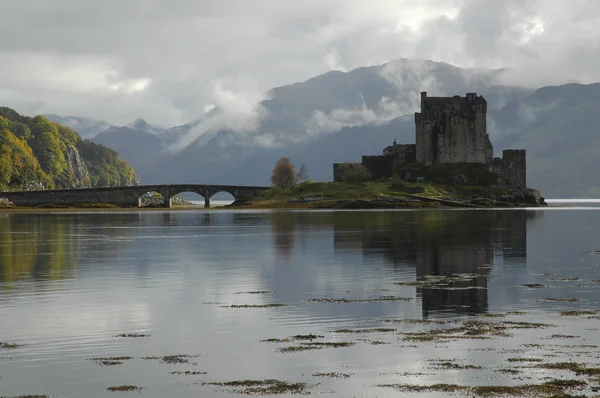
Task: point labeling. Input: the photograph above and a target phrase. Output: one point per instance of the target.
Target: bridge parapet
(129, 196)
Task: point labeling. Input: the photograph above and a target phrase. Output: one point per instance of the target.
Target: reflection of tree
(48, 246)
(440, 243)
(38, 247)
(283, 225)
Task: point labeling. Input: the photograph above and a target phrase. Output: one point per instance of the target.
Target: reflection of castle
(443, 244)
(448, 131)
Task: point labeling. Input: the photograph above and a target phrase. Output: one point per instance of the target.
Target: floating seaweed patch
(132, 335)
(561, 336)
(550, 388)
(534, 285)
(257, 292)
(263, 387)
(333, 375)
(110, 361)
(188, 373)
(274, 305)
(315, 346)
(451, 364)
(172, 359)
(370, 300)
(560, 299)
(578, 313)
(414, 321)
(10, 346)
(523, 359)
(307, 337)
(372, 330)
(472, 330)
(124, 388)
(566, 279)
(575, 367)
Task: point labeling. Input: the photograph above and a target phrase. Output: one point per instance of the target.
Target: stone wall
(452, 130)
(379, 166)
(512, 167)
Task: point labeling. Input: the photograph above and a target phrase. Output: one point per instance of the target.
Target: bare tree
(302, 174)
(284, 174)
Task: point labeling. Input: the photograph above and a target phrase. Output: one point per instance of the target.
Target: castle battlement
(450, 130)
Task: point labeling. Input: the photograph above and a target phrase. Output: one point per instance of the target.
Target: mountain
(36, 153)
(311, 120)
(85, 127)
(559, 128)
(340, 116)
(138, 146)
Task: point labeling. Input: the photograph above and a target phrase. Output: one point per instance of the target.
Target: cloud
(161, 61)
(236, 111)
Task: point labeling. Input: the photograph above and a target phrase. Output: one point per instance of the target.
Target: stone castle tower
(448, 131)
(452, 130)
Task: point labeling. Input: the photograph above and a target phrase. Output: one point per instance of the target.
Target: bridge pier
(167, 202)
(206, 202)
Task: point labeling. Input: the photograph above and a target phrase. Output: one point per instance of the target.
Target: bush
(354, 173)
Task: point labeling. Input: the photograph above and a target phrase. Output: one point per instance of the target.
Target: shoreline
(321, 205)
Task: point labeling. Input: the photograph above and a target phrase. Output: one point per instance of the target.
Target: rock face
(6, 203)
(79, 170)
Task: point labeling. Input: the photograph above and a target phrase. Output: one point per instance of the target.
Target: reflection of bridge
(126, 196)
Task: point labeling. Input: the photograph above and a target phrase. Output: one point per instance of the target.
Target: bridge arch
(206, 192)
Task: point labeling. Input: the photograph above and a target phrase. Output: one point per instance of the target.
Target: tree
(354, 173)
(284, 174)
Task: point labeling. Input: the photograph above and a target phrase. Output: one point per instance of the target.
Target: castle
(450, 134)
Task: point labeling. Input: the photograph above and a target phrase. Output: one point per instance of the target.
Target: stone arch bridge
(129, 196)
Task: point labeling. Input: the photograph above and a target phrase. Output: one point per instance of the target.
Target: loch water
(197, 284)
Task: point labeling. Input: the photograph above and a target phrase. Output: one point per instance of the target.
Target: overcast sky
(169, 61)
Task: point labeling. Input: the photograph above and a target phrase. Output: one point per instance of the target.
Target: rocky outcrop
(513, 197)
(79, 171)
(6, 203)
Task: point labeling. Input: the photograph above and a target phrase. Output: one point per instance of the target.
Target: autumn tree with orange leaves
(284, 174)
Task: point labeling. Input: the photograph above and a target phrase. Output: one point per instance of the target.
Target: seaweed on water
(372, 330)
(315, 346)
(274, 305)
(132, 335)
(332, 375)
(172, 359)
(371, 300)
(124, 388)
(110, 361)
(262, 387)
(10, 346)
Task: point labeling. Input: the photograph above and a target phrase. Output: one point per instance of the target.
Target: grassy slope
(332, 192)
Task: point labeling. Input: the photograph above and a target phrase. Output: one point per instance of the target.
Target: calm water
(70, 282)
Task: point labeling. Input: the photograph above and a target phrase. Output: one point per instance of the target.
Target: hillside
(36, 153)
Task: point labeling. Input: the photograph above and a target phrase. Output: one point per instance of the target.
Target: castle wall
(337, 173)
(512, 166)
(452, 130)
(379, 166)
